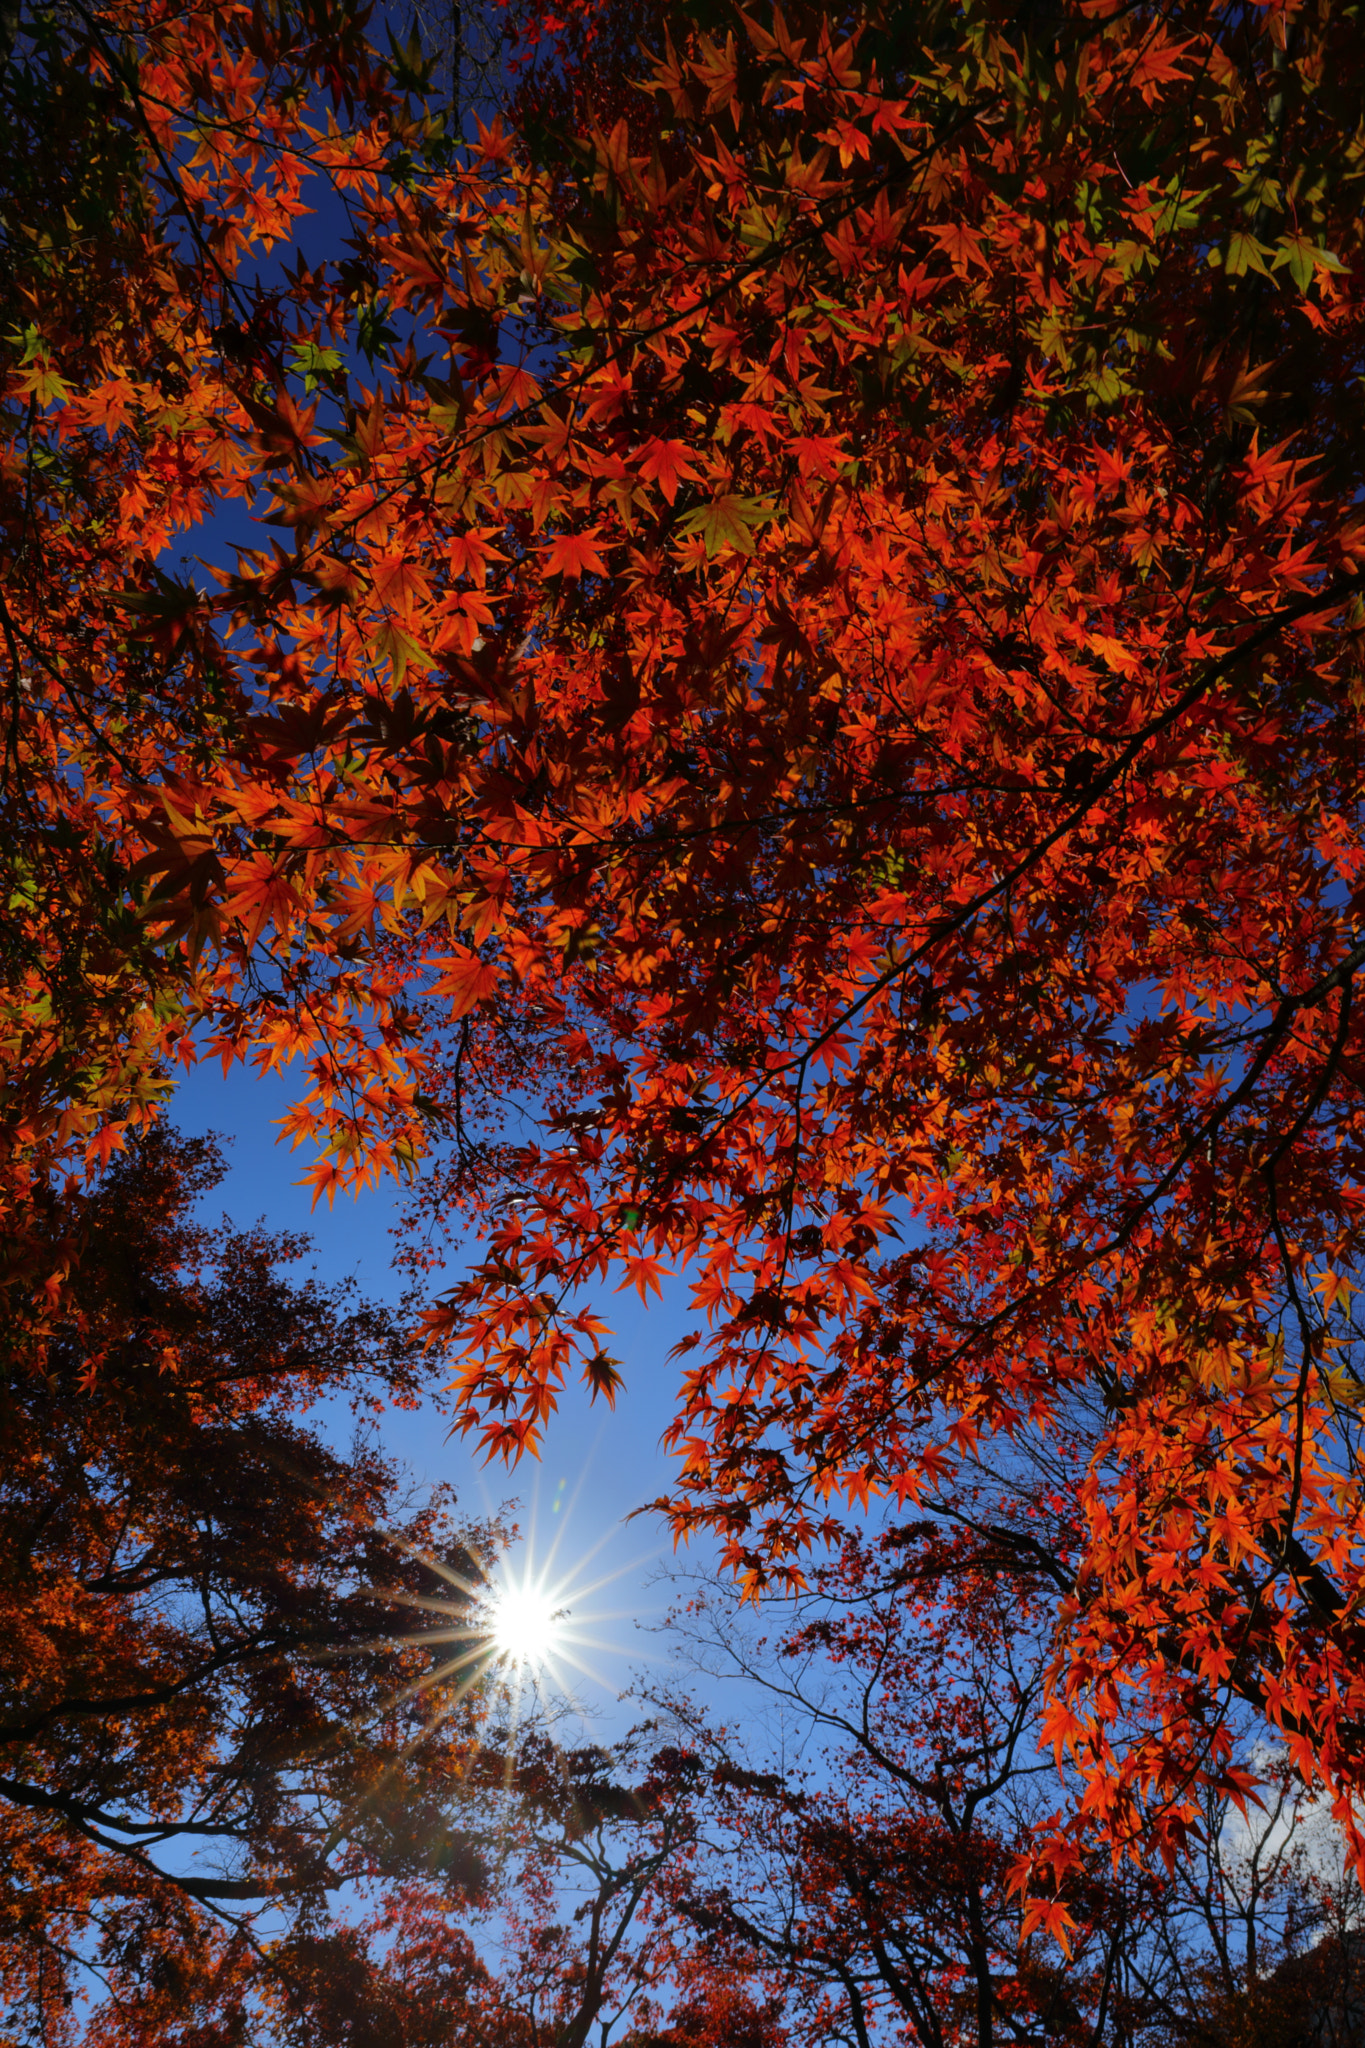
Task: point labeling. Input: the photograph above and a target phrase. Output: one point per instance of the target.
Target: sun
(520, 1624)
(526, 1625)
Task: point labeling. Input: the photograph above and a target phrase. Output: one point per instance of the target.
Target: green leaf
(29, 340)
(400, 649)
(373, 331)
(1303, 255)
(1246, 253)
(411, 68)
(1181, 209)
(728, 522)
(314, 364)
(1107, 385)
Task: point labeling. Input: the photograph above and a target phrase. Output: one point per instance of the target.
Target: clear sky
(597, 1464)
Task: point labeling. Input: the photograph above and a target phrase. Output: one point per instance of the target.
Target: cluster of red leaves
(842, 699)
(577, 65)
(149, 151)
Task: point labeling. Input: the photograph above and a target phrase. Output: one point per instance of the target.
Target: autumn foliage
(809, 641)
(256, 1774)
(205, 1709)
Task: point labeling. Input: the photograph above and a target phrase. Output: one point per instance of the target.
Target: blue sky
(597, 1464)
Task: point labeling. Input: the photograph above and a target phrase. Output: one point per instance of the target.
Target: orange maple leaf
(573, 554)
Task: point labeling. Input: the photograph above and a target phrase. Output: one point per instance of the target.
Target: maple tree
(235, 1688)
(819, 659)
(872, 1882)
(221, 1688)
(140, 306)
(546, 1956)
(876, 1779)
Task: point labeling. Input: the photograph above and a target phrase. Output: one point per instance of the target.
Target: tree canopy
(809, 642)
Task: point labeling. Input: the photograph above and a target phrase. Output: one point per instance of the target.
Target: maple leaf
(667, 463)
(303, 503)
(399, 583)
(818, 455)
(728, 521)
(109, 404)
(41, 382)
(602, 1375)
(574, 554)
(470, 553)
(399, 648)
(466, 980)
